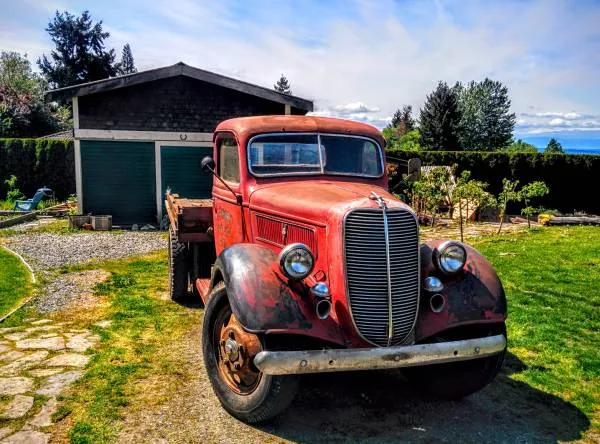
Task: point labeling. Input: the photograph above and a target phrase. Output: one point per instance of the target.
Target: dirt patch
(353, 406)
(71, 291)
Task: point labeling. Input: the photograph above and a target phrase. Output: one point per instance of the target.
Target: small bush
(572, 179)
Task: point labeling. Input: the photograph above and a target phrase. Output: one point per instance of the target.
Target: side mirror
(208, 165)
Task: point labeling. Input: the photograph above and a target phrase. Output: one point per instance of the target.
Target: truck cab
(306, 263)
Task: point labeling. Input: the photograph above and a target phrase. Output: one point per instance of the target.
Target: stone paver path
(41, 358)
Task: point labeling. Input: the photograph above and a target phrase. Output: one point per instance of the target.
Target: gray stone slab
(15, 385)
(17, 407)
(41, 321)
(67, 360)
(11, 355)
(44, 417)
(24, 363)
(57, 383)
(27, 437)
(44, 372)
(56, 343)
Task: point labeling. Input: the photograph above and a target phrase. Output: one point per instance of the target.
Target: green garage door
(119, 178)
(180, 167)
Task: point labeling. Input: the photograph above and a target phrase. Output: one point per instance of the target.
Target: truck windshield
(287, 154)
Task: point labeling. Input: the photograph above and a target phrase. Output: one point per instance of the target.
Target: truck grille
(371, 292)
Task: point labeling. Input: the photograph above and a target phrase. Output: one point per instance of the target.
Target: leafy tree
(554, 147)
(79, 55)
(432, 190)
(410, 141)
(520, 146)
(439, 119)
(508, 194)
(531, 191)
(486, 122)
(127, 65)
(23, 112)
(283, 85)
(471, 193)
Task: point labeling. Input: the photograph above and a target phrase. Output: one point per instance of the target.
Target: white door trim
(158, 144)
(78, 176)
(142, 135)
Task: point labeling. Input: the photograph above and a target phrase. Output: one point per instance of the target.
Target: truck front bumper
(377, 358)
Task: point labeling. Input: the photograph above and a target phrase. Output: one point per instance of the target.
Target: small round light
(433, 284)
(296, 261)
(451, 257)
(320, 290)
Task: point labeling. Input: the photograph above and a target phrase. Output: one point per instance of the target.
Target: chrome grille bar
(381, 251)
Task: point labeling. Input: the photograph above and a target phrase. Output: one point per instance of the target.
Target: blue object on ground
(31, 204)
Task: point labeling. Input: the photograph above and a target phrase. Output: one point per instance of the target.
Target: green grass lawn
(15, 281)
(552, 280)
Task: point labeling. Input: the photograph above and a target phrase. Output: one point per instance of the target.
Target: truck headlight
(296, 261)
(450, 257)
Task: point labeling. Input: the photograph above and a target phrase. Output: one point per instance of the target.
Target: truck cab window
(229, 162)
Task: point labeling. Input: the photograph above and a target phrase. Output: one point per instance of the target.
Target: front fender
(474, 296)
(262, 299)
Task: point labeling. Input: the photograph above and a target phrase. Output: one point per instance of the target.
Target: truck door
(228, 217)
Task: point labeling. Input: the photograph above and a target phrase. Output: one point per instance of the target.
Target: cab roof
(246, 127)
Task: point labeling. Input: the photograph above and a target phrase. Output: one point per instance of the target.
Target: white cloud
(367, 59)
(355, 107)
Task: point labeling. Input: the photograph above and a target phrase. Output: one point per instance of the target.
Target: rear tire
(178, 269)
(259, 398)
(456, 380)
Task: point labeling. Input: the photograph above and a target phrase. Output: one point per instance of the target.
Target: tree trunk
(460, 220)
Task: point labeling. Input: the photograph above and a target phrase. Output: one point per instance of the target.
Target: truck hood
(317, 201)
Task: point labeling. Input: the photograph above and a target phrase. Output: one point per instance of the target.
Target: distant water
(577, 143)
(595, 151)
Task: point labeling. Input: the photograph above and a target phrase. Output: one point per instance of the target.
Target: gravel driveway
(47, 250)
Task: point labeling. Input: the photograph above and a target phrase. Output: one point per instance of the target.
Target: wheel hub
(236, 350)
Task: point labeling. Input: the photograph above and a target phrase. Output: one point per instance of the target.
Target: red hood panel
(317, 200)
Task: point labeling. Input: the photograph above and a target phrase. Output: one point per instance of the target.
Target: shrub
(572, 179)
(37, 163)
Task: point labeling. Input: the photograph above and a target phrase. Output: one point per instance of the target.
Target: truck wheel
(178, 269)
(244, 391)
(455, 380)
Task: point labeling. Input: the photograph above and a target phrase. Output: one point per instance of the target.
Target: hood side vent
(281, 233)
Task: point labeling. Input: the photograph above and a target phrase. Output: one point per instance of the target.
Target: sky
(362, 59)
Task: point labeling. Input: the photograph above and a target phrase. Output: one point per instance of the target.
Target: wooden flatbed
(191, 219)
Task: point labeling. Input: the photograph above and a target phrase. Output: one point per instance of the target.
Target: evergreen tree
(439, 119)
(554, 147)
(127, 65)
(79, 55)
(486, 121)
(283, 85)
(403, 121)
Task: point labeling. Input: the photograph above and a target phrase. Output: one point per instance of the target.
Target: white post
(78, 177)
(158, 170)
(288, 110)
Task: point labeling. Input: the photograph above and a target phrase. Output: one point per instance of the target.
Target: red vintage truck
(306, 263)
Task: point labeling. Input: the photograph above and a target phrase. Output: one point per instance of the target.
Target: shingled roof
(179, 69)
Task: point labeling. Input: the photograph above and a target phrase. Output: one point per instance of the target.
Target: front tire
(244, 391)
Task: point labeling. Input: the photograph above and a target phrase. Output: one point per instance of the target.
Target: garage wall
(179, 104)
(118, 178)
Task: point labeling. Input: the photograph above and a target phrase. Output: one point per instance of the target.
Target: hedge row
(573, 179)
(38, 162)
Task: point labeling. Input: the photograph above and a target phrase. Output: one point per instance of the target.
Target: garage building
(139, 134)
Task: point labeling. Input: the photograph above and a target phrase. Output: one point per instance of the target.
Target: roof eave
(114, 83)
